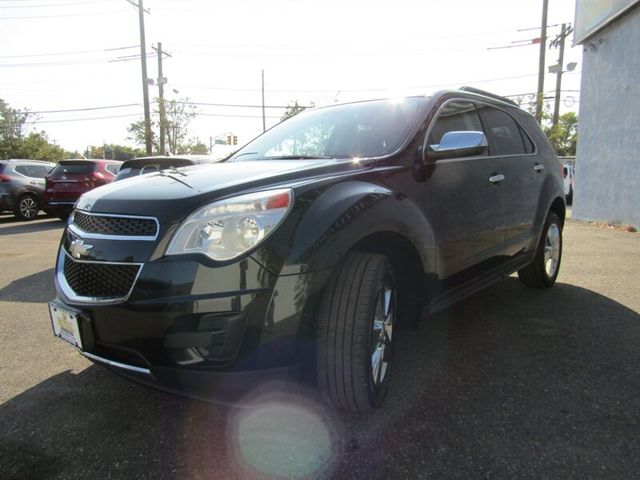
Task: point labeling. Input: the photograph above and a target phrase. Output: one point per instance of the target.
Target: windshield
(367, 129)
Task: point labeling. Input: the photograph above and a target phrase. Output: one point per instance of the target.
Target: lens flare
(284, 434)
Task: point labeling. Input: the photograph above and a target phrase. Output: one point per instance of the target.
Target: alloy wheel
(28, 208)
(382, 334)
(552, 250)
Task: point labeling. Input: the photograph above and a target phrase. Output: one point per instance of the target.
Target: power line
(232, 105)
(84, 109)
(234, 116)
(58, 63)
(77, 52)
(51, 4)
(63, 16)
(84, 119)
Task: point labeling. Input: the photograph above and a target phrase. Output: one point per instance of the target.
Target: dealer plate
(66, 324)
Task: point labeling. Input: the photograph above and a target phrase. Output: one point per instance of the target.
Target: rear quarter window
(503, 132)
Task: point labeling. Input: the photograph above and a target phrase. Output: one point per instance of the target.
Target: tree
(15, 144)
(198, 148)
(179, 114)
(12, 124)
(564, 136)
(114, 152)
(293, 110)
(36, 146)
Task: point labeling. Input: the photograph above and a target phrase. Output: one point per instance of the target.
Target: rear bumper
(6, 201)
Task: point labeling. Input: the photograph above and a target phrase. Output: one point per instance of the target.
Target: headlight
(228, 228)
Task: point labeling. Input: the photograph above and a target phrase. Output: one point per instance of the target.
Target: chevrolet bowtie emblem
(78, 248)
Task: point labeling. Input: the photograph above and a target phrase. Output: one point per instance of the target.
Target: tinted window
(73, 169)
(113, 169)
(22, 169)
(456, 116)
(38, 171)
(367, 129)
(138, 167)
(504, 134)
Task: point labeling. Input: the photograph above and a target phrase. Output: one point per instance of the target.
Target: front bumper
(192, 328)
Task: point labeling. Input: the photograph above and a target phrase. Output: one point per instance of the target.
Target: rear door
(465, 196)
(523, 174)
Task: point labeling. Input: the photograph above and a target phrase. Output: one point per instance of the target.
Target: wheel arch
(559, 207)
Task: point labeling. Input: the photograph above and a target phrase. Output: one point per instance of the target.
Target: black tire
(540, 273)
(350, 341)
(570, 197)
(27, 207)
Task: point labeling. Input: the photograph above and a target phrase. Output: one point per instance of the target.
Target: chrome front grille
(91, 282)
(115, 225)
(99, 280)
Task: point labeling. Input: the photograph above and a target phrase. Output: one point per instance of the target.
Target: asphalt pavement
(511, 383)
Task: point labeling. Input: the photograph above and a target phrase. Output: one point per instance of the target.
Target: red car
(71, 178)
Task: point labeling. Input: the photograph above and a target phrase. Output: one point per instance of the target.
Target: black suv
(22, 184)
(309, 247)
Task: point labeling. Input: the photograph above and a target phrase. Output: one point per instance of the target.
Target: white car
(568, 171)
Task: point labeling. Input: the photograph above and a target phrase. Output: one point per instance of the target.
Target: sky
(67, 59)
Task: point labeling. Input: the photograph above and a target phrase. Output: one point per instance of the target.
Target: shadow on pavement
(35, 288)
(511, 383)
(42, 224)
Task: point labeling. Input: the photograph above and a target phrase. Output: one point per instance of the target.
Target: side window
(504, 134)
(38, 171)
(456, 116)
(22, 170)
(113, 169)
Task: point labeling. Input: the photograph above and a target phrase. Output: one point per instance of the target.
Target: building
(608, 152)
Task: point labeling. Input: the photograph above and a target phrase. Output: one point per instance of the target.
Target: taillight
(98, 178)
(5, 178)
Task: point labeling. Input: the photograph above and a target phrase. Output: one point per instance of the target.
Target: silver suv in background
(22, 185)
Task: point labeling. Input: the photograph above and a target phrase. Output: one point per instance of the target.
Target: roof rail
(488, 94)
(28, 160)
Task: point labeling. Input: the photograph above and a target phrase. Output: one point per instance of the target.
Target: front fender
(341, 215)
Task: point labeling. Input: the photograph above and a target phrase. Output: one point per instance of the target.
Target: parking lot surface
(511, 383)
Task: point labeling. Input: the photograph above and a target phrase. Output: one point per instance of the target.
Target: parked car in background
(142, 165)
(71, 178)
(568, 172)
(307, 249)
(22, 184)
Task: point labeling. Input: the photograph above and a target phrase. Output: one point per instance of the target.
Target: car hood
(171, 195)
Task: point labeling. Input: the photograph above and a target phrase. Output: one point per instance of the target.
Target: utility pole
(559, 42)
(541, 72)
(161, 81)
(145, 85)
(264, 122)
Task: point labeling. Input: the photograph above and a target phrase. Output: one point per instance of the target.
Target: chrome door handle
(496, 178)
(538, 168)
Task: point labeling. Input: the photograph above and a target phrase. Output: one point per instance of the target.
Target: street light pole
(163, 115)
(541, 72)
(145, 85)
(559, 42)
(264, 122)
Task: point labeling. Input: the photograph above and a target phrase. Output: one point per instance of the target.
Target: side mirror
(458, 144)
